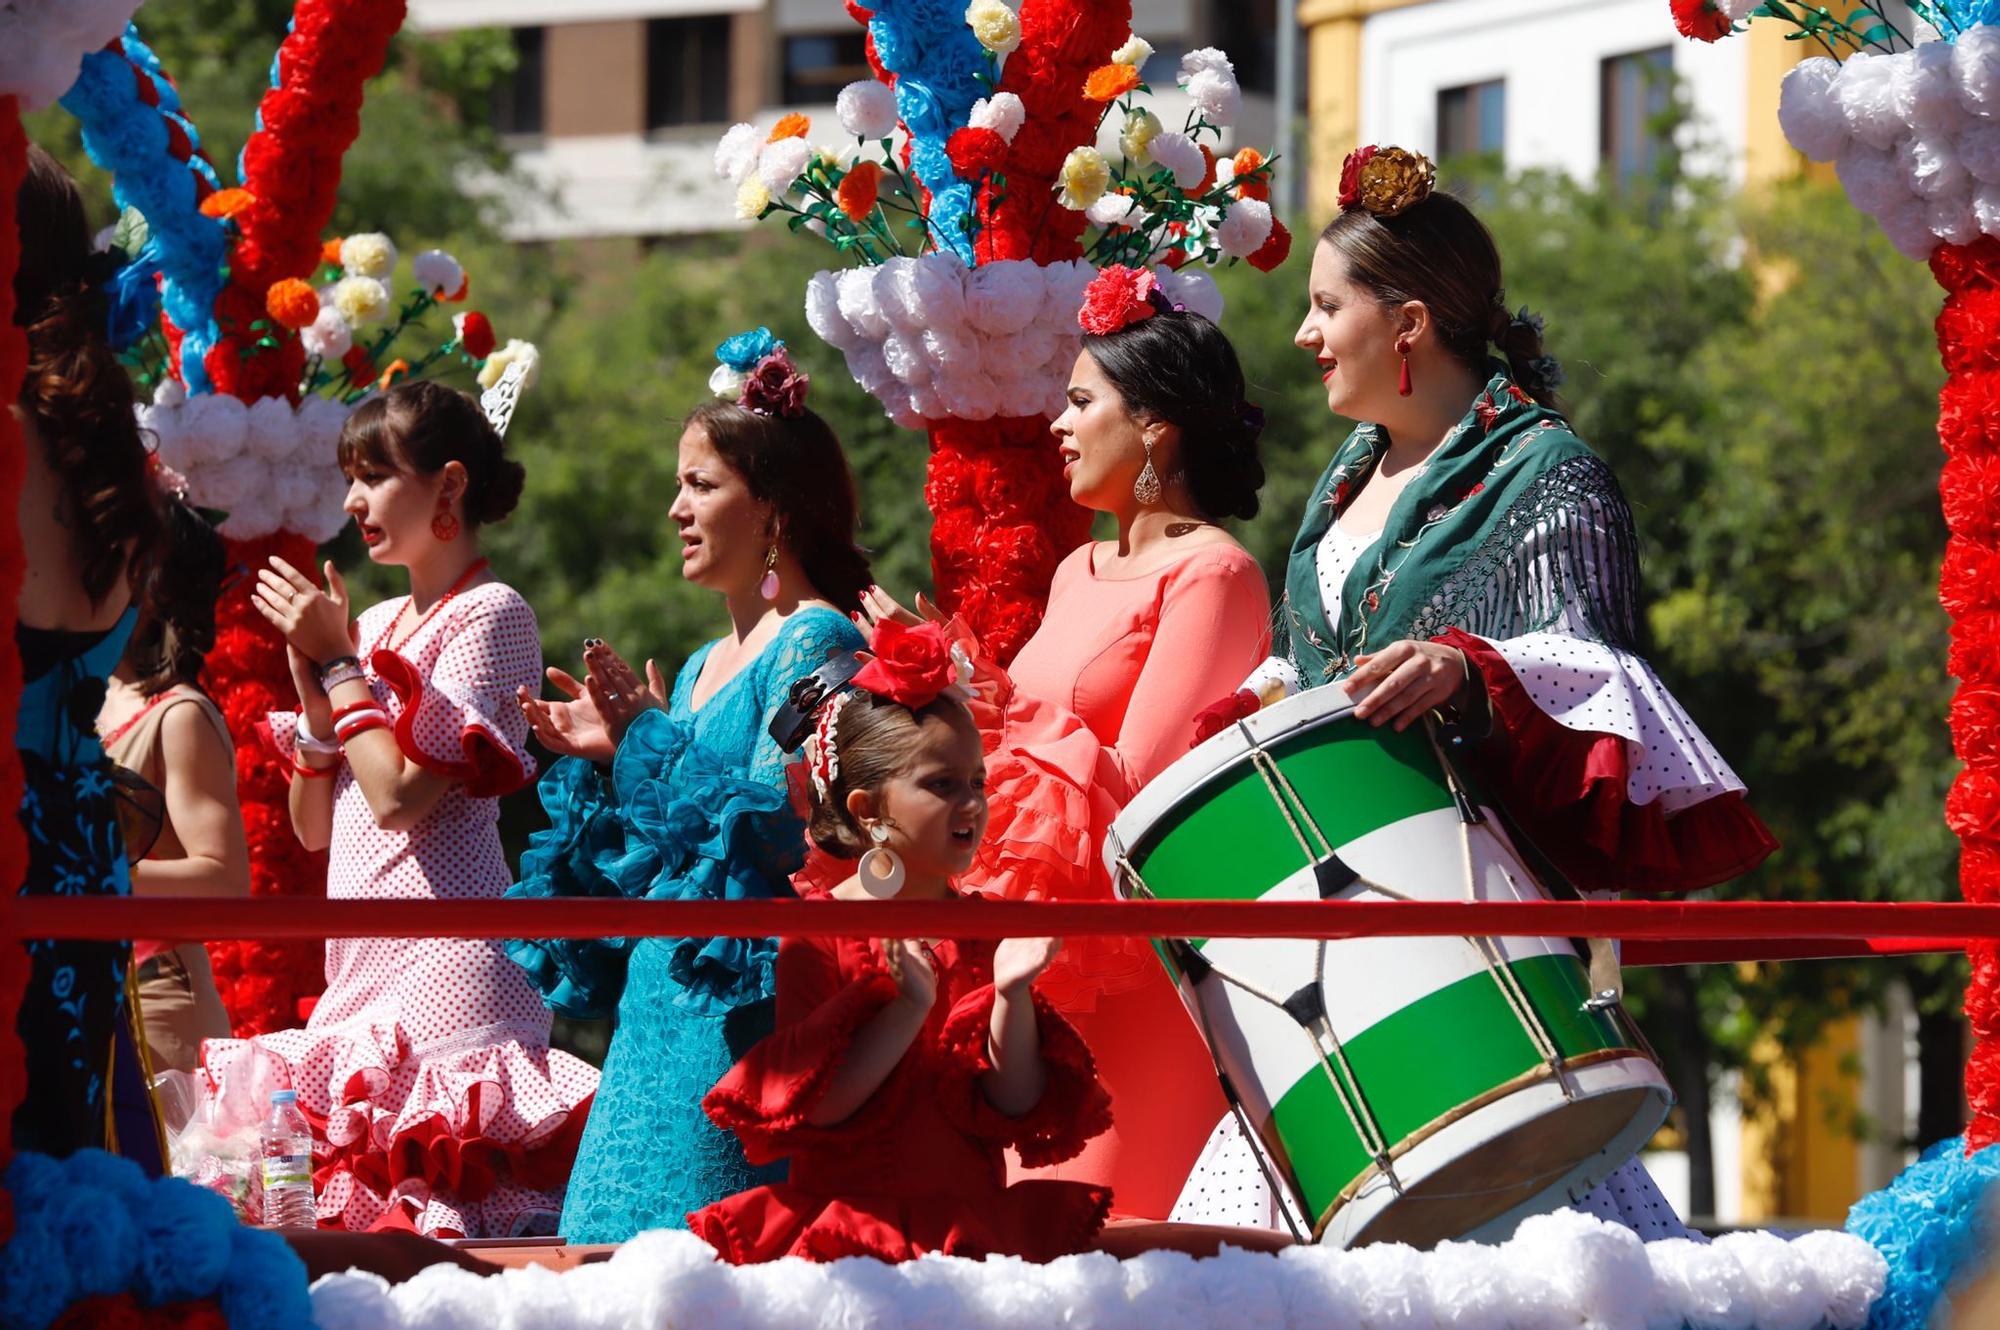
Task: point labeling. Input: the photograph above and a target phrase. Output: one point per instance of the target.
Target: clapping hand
(1019, 961)
(313, 622)
(914, 968)
(590, 722)
(877, 605)
(617, 693)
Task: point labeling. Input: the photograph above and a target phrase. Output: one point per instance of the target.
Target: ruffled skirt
(1038, 1220)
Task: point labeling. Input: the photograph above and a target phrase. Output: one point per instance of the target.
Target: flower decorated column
(976, 235)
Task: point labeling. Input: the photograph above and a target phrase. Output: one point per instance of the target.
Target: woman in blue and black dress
(90, 516)
(680, 793)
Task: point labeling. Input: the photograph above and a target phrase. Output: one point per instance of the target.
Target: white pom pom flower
(1135, 137)
(1217, 96)
(1004, 113)
(360, 300)
(997, 27)
(782, 163)
(1923, 90)
(1873, 178)
(823, 313)
(737, 152)
(1932, 167)
(1975, 68)
(1194, 290)
(1809, 109)
(726, 382)
(1865, 90)
(437, 273)
(171, 392)
(1978, 148)
(1135, 52)
(1205, 58)
(858, 303)
(368, 254)
(867, 109)
(328, 336)
(1116, 210)
(1245, 228)
(1181, 155)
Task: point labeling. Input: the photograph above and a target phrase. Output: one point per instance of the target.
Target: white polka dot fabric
(1335, 558)
(1227, 1187)
(427, 1059)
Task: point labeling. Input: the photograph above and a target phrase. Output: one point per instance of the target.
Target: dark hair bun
(1180, 368)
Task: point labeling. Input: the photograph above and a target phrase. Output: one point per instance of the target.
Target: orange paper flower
(858, 190)
(397, 368)
(329, 251)
(227, 202)
(292, 302)
(791, 125)
(1107, 83)
(464, 290)
(1246, 161)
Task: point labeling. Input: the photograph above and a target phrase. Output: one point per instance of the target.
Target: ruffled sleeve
(462, 721)
(766, 1097)
(280, 729)
(583, 853)
(1073, 1108)
(716, 833)
(1054, 786)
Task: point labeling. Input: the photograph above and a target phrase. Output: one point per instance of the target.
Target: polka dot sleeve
(457, 686)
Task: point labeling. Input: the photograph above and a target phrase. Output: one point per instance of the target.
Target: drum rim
(1214, 757)
(1538, 1076)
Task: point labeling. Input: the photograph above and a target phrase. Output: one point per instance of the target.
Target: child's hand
(1017, 961)
(914, 969)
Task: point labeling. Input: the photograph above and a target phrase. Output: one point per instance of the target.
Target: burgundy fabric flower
(776, 387)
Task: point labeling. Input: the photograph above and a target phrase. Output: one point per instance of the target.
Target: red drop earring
(1403, 379)
(445, 525)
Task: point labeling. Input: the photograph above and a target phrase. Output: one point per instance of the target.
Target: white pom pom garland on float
(1562, 1271)
(269, 465)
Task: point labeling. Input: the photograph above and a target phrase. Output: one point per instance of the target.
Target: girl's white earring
(880, 871)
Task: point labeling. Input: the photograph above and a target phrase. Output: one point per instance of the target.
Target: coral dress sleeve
(1055, 786)
(766, 1097)
(1073, 1108)
(462, 721)
(1590, 754)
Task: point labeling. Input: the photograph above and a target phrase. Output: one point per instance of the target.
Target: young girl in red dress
(900, 1070)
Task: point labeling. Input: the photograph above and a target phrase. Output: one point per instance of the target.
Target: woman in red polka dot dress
(425, 1070)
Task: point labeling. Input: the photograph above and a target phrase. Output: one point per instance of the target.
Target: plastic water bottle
(287, 1161)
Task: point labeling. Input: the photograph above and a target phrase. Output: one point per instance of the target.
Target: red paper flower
(858, 190)
(1975, 648)
(1116, 298)
(1701, 20)
(911, 665)
(975, 152)
(1350, 176)
(1277, 246)
(475, 334)
(1968, 581)
(1972, 808)
(1975, 725)
(360, 369)
(1966, 330)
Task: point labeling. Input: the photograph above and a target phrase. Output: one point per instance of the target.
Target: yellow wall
(1799, 1159)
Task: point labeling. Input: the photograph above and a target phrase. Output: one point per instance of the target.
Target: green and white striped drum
(1394, 1089)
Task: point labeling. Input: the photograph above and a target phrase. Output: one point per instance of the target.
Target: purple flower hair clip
(775, 386)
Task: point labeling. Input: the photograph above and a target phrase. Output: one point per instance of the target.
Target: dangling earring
(880, 871)
(1146, 489)
(768, 587)
(445, 525)
(1403, 380)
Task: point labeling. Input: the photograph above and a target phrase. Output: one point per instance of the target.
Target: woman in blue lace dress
(90, 518)
(681, 794)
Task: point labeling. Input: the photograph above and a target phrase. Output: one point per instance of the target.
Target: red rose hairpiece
(912, 666)
(1385, 181)
(1119, 297)
(776, 386)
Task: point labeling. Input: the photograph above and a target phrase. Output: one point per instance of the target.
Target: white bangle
(308, 742)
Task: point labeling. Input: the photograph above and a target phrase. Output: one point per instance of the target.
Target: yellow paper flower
(1085, 176)
(369, 254)
(1136, 51)
(497, 363)
(1135, 139)
(361, 299)
(997, 27)
(752, 198)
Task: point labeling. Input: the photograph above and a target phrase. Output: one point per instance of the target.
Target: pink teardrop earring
(768, 587)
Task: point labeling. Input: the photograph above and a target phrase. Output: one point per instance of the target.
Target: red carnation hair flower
(1117, 298)
(1701, 20)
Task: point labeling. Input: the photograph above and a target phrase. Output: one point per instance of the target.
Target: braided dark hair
(1179, 368)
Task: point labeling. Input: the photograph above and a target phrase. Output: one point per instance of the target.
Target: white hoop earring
(880, 871)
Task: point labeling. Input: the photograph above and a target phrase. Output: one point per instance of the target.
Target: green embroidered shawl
(1513, 526)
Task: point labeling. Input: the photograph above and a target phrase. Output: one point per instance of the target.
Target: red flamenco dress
(920, 1166)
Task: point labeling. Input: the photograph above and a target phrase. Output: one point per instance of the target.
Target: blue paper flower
(742, 352)
(939, 67)
(1931, 1224)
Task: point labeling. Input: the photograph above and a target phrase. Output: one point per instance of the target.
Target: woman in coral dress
(425, 1069)
(900, 1070)
(1140, 632)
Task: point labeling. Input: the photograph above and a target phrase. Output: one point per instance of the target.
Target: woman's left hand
(878, 605)
(1018, 961)
(616, 690)
(312, 621)
(1403, 680)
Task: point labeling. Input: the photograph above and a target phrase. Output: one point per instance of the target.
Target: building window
(819, 64)
(1635, 93)
(517, 99)
(1472, 120)
(687, 71)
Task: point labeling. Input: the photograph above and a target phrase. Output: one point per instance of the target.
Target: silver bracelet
(308, 742)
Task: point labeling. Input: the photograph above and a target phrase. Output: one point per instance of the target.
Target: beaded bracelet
(310, 772)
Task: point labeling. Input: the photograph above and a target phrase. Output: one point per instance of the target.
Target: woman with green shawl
(1465, 551)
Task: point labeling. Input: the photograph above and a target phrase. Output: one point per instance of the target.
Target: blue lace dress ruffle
(694, 807)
